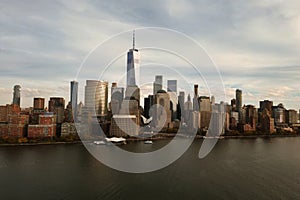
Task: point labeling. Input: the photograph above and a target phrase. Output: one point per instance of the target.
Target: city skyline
(243, 39)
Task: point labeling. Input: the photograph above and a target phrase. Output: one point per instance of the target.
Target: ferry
(148, 142)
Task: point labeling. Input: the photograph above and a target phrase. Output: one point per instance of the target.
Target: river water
(235, 169)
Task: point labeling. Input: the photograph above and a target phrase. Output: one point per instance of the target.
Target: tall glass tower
(74, 97)
(17, 95)
(133, 61)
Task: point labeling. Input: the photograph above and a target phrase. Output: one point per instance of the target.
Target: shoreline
(159, 137)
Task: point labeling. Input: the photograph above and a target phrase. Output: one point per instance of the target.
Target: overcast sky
(255, 44)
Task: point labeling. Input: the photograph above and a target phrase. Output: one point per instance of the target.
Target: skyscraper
(172, 86)
(133, 62)
(38, 103)
(157, 85)
(74, 97)
(238, 97)
(172, 91)
(57, 106)
(96, 97)
(195, 99)
(117, 96)
(17, 95)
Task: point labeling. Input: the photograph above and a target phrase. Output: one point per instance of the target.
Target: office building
(172, 86)
(17, 95)
(133, 62)
(57, 106)
(162, 115)
(117, 96)
(157, 85)
(96, 97)
(38, 103)
(74, 98)
(195, 99)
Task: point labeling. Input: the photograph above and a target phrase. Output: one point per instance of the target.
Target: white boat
(213, 137)
(148, 142)
(99, 142)
(116, 140)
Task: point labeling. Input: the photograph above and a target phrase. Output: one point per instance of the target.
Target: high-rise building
(188, 108)
(204, 103)
(74, 97)
(96, 97)
(181, 99)
(57, 106)
(172, 86)
(117, 96)
(133, 62)
(266, 104)
(172, 91)
(205, 108)
(291, 116)
(38, 103)
(251, 116)
(157, 85)
(180, 105)
(17, 95)
(195, 99)
(238, 97)
(162, 115)
(148, 102)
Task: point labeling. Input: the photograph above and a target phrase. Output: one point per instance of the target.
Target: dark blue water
(235, 169)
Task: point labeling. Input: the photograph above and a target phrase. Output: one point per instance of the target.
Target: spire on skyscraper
(133, 39)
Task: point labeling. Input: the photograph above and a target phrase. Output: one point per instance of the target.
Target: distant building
(172, 86)
(68, 129)
(38, 103)
(17, 95)
(162, 115)
(124, 125)
(133, 93)
(17, 125)
(133, 62)
(233, 104)
(188, 108)
(74, 98)
(239, 103)
(204, 104)
(291, 116)
(278, 114)
(157, 85)
(267, 122)
(96, 97)
(205, 111)
(148, 102)
(45, 128)
(266, 104)
(196, 120)
(180, 105)
(7, 110)
(117, 96)
(57, 106)
(195, 99)
(251, 116)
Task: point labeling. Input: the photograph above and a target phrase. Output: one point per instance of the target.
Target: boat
(116, 140)
(213, 137)
(148, 142)
(99, 142)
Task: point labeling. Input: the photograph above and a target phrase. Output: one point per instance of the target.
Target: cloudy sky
(255, 44)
